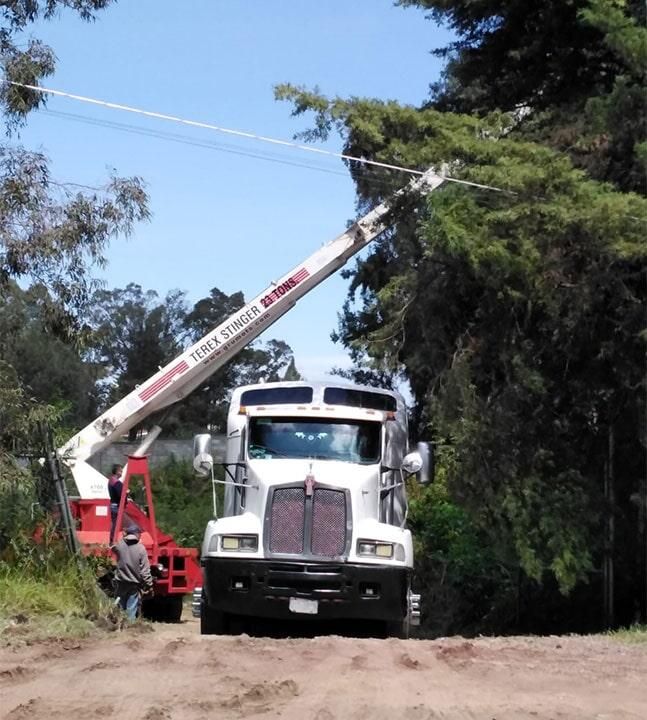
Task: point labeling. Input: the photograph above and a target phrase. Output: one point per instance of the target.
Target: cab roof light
(242, 410)
(390, 415)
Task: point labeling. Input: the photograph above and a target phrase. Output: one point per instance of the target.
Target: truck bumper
(263, 588)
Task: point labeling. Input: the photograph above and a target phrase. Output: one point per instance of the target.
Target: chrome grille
(328, 522)
(286, 521)
(307, 525)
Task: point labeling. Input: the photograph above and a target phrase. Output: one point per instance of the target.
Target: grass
(61, 603)
(634, 635)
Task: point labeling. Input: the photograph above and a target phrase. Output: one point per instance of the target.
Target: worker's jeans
(129, 596)
(114, 510)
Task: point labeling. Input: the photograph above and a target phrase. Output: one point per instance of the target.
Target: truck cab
(314, 519)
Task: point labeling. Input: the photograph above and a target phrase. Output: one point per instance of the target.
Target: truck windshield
(347, 440)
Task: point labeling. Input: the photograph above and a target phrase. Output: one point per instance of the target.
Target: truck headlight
(239, 543)
(372, 548)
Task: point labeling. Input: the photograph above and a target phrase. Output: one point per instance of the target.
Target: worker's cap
(133, 530)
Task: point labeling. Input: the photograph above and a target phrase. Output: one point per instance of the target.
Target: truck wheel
(212, 622)
(172, 611)
(399, 629)
(166, 608)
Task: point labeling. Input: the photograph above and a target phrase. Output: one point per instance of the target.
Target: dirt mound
(172, 673)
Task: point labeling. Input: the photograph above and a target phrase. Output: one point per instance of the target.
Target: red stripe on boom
(300, 275)
(163, 381)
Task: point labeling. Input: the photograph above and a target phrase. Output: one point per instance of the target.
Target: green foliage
(61, 605)
(51, 234)
(183, 502)
(44, 592)
(19, 413)
(30, 62)
(291, 372)
(130, 333)
(207, 406)
(54, 233)
(17, 495)
(572, 75)
(465, 585)
(48, 368)
(515, 315)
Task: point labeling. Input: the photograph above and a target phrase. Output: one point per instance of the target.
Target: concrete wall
(163, 451)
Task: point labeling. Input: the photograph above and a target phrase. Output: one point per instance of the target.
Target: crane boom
(183, 374)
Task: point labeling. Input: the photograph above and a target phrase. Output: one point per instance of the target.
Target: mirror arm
(386, 468)
(388, 488)
(236, 484)
(232, 480)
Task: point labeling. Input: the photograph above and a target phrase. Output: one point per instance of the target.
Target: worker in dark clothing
(133, 575)
(115, 488)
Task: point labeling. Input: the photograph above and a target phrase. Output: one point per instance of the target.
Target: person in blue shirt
(115, 488)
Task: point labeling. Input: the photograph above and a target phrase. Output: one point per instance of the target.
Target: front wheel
(398, 629)
(212, 622)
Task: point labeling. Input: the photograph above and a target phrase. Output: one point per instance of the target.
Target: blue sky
(220, 218)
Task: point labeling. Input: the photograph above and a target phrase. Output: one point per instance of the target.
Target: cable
(246, 135)
(259, 138)
(216, 128)
(208, 145)
(184, 139)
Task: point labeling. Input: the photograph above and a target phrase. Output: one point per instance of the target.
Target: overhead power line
(216, 128)
(248, 135)
(186, 140)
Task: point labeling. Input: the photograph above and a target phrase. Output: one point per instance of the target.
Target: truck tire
(212, 622)
(399, 629)
(165, 608)
(172, 611)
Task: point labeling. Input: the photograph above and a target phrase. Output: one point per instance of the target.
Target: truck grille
(328, 522)
(288, 513)
(300, 525)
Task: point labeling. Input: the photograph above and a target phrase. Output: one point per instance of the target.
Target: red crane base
(176, 570)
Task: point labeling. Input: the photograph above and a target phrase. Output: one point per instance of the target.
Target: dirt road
(172, 672)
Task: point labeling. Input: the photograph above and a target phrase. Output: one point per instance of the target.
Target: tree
(131, 334)
(51, 233)
(573, 73)
(134, 333)
(207, 405)
(291, 372)
(516, 316)
(48, 369)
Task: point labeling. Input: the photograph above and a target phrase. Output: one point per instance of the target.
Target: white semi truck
(314, 510)
(182, 375)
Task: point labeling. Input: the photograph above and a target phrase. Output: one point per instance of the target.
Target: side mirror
(202, 458)
(412, 463)
(426, 452)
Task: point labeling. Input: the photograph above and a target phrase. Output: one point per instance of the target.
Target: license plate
(303, 605)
